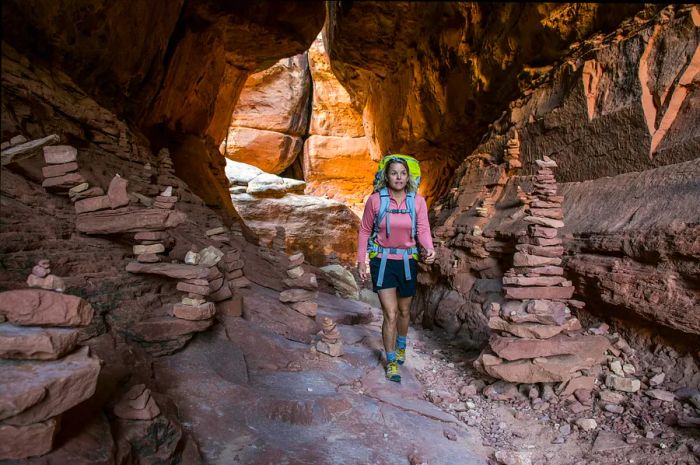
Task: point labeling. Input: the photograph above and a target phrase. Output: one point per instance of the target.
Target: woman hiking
(394, 217)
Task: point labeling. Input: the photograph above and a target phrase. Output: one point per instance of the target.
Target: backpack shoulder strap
(411, 205)
(384, 199)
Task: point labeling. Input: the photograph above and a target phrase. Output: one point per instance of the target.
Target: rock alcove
(219, 296)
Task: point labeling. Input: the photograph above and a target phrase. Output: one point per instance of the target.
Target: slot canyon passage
(181, 190)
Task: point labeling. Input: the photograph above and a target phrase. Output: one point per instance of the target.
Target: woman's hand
(363, 270)
(428, 256)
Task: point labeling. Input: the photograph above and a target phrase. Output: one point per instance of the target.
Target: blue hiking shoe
(392, 372)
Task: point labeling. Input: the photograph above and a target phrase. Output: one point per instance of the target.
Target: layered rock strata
(44, 373)
(541, 345)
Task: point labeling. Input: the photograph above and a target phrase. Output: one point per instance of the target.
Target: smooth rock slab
(540, 370)
(125, 219)
(171, 270)
(66, 382)
(41, 307)
(58, 170)
(24, 342)
(63, 182)
(166, 328)
(554, 292)
(525, 330)
(523, 259)
(18, 442)
(58, 154)
(588, 347)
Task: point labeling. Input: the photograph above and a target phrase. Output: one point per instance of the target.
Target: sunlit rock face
(624, 131)
(175, 69)
(430, 77)
(337, 161)
(271, 116)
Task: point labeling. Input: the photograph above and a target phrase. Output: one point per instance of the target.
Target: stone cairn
(137, 404)
(330, 342)
(61, 173)
(279, 243)
(540, 344)
(511, 154)
(302, 288)
(43, 372)
(41, 277)
(94, 199)
(194, 305)
(152, 243)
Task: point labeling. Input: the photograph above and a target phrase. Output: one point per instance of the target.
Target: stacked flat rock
(233, 269)
(43, 372)
(330, 343)
(152, 243)
(302, 288)
(166, 200)
(41, 277)
(209, 285)
(218, 234)
(61, 173)
(237, 229)
(540, 344)
(511, 154)
(167, 171)
(94, 199)
(279, 243)
(137, 404)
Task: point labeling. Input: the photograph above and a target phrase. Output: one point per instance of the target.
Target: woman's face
(398, 176)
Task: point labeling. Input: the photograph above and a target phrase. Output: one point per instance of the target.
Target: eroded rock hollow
(181, 190)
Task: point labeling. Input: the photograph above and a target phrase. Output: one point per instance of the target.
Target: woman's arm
(425, 238)
(366, 226)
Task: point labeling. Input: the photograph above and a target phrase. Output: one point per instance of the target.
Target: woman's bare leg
(404, 306)
(390, 308)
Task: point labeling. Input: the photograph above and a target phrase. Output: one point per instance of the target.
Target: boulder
(240, 174)
(307, 221)
(270, 151)
(18, 442)
(342, 280)
(269, 185)
(41, 307)
(66, 383)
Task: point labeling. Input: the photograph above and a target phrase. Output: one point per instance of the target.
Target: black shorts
(394, 276)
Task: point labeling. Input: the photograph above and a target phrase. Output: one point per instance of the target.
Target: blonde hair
(383, 181)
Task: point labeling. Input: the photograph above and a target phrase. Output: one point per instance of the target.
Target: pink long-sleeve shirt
(400, 224)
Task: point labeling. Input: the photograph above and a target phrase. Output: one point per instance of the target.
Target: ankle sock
(400, 342)
(391, 356)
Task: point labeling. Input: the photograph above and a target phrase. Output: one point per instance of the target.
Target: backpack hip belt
(386, 251)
